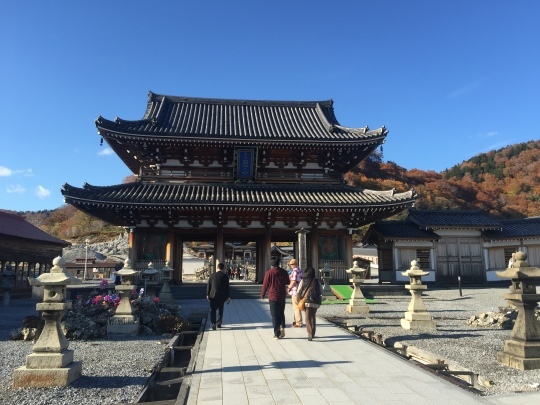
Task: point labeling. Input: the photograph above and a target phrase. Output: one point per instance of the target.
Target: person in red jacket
(276, 282)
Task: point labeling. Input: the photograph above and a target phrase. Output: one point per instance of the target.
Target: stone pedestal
(123, 321)
(149, 276)
(357, 303)
(51, 362)
(166, 295)
(326, 273)
(417, 317)
(522, 351)
(7, 281)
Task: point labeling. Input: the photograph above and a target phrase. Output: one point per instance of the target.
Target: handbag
(302, 302)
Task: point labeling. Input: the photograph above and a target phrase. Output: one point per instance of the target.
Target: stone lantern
(124, 321)
(522, 351)
(166, 295)
(8, 280)
(417, 317)
(326, 273)
(149, 276)
(357, 303)
(51, 362)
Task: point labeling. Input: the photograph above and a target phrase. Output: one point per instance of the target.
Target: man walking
(217, 291)
(275, 283)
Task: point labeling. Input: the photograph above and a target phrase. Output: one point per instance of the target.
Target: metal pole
(86, 258)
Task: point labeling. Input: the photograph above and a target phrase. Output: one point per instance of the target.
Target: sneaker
(295, 325)
(218, 325)
(213, 326)
(282, 332)
(276, 337)
(309, 338)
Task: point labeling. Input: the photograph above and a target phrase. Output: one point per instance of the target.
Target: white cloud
(106, 152)
(42, 192)
(5, 172)
(490, 134)
(467, 88)
(15, 189)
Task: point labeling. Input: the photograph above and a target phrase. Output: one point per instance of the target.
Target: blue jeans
(277, 310)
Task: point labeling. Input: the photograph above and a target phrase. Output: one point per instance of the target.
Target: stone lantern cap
(415, 270)
(126, 270)
(355, 269)
(520, 268)
(326, 269)
(150, 271)
(56, 276)
(167, 268)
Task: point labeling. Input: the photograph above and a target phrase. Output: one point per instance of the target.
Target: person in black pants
(217, 292)
(276, 281)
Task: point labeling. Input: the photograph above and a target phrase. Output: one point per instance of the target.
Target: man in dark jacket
(217, 292)
(276, 281)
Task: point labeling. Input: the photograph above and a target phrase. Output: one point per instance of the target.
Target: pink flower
(156, 300)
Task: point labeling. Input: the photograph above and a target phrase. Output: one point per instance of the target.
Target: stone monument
(8, 279)
(149, 276)
(522, 351)
(326, 273)
(166, 295)
(51, 362)
(417, 317)
(124, 321)
(357, 303)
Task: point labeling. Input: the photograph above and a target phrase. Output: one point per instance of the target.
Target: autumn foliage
(504, 183)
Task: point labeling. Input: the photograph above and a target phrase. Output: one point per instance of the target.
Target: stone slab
(357, 309)
(519, 363)
(520, 348)
(418, 325)
(24, 377)
(418, 316)
(49, 360)
(123, 329)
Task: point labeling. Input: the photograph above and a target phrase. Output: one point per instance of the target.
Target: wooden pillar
(132, 255)
(219, 248)
(348, 249)
(177, 259)
(265, 254)
(315, 249)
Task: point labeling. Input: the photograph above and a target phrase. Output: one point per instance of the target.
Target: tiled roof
(206, 118)
(452, 219)
(398, 230)
(515, 229)
(271, 196)
(16, 226)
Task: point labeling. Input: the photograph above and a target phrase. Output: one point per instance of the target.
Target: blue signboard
(245, 164)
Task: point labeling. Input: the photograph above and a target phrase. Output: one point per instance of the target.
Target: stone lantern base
(357, 306)
(44, 370)
(418, 321)
(521, 355)
(123, 325)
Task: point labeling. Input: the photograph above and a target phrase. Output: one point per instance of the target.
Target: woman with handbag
(309, 297)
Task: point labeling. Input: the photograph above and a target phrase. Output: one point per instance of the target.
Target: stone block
(357, 309)
(519, 363)
(520, 348)
(49, 360)
(421, 325)
(24, 377)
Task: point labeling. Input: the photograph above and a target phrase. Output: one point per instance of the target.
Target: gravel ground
(108, 378)
(473, 348)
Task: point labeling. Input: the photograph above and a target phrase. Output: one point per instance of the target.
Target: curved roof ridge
(209, 100)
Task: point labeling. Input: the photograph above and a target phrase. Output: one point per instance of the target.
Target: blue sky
(449, 79)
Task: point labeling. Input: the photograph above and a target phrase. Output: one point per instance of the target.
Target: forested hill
(503, 184)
